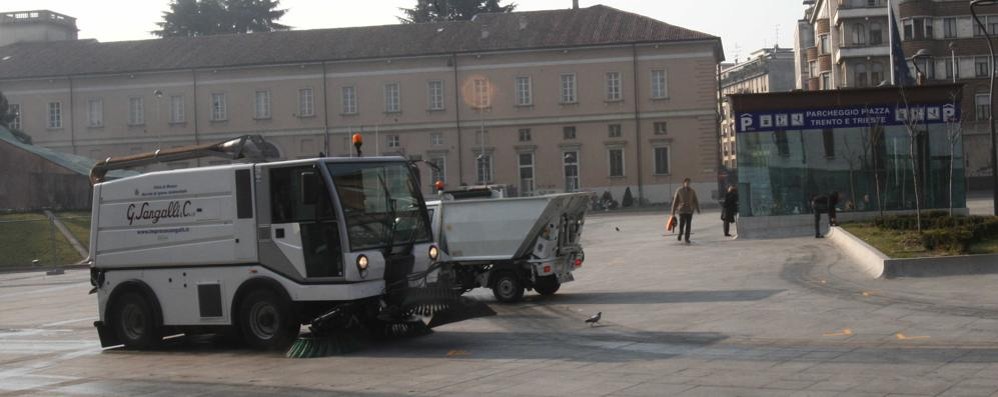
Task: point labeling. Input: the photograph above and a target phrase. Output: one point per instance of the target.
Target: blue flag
(900, 75)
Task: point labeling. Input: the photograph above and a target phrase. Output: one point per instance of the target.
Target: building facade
(609, 100)
(842, 44)
(766, 70)
(955, 50)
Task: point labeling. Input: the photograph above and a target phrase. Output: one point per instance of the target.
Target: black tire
(507, 287)
(134, 321)
(547, 285)
(266, 320)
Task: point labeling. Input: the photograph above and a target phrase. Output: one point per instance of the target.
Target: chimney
(575, 4)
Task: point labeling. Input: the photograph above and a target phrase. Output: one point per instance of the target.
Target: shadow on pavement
(585, 344)
(652, 297)
(131, 387)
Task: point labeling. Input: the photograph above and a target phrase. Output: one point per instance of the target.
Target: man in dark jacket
(729, 208)
(824, 203)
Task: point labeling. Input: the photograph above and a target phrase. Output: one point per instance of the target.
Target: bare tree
(876, 136)
(911, 125)
(954, 133)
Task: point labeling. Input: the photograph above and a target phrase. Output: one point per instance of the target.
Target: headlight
(362, 263)
(434, 252)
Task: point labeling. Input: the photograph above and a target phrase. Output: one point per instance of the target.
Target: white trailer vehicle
(258, 249)
(509, 244)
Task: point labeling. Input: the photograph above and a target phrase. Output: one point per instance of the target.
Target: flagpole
(890, 39)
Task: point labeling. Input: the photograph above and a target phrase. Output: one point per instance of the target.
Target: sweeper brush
(347, 329)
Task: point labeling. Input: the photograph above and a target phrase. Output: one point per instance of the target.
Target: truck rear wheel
(134, 321)
(547, 285)
(507, 287)
(266, 320)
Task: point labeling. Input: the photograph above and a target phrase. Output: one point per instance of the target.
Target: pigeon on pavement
(594, 319)
(617, 228)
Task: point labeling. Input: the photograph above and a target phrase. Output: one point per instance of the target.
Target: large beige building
(577, 99)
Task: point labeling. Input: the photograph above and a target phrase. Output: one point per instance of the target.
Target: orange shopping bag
(670, 225)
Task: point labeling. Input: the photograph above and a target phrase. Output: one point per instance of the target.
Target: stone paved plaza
(718, 317)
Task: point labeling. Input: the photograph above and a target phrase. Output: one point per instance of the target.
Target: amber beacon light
(358, 141)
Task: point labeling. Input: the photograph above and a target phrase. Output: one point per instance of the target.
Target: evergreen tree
(191, 18)
(450, 10)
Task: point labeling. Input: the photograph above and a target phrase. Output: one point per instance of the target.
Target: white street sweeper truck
(509, 244)
(256, 249)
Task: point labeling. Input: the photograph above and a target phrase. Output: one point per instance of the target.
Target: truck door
(303, 221)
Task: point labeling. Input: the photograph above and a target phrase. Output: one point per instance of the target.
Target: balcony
(859, 12)
(811, 53)
(880, 50)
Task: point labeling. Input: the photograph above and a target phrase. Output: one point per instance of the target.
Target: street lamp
(159, 103)
(991, 94)
(952, 57)
(920, 54)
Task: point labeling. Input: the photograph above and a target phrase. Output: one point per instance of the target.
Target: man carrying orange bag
(683, 204)
(670, 224)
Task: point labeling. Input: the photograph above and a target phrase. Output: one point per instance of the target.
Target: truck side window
(298, 194)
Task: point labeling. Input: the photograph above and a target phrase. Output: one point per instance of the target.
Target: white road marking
(64, 322)
(43, 290)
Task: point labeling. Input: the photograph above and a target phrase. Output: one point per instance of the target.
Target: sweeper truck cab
(259, 248)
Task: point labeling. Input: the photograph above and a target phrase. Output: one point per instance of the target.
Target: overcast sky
(743, 25)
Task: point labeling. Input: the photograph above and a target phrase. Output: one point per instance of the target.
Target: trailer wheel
(507, 287)
(134, 321)
(547, 285)
(266, 320)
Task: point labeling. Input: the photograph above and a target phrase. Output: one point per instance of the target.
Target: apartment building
(765, 70)
(955, 50)
(588, 99)
(842, 44)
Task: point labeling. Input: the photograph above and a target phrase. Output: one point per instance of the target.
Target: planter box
(877, 265)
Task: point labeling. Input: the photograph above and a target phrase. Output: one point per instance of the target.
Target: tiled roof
(596, 25)
(78, 164)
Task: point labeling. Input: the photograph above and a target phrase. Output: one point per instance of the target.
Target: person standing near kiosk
(824, 203)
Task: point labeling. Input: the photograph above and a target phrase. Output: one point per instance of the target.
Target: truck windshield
(377, 197)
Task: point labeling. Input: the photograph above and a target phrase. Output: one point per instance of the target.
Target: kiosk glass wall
(780, 171)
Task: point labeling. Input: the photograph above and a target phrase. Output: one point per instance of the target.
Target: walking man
(684, 203)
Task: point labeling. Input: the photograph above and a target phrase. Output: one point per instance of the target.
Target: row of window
(861, 34)
(924, 28)
(914, 28)
(483, 93)
(136, 109)
(485, 167)
(393, 141)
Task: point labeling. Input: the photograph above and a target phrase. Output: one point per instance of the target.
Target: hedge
(943, 232)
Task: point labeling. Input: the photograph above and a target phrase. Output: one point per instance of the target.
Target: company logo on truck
(175, 209)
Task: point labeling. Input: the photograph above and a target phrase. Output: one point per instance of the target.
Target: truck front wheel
(266, 320)
(135, 321)
(547, 285)
(507, 287)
